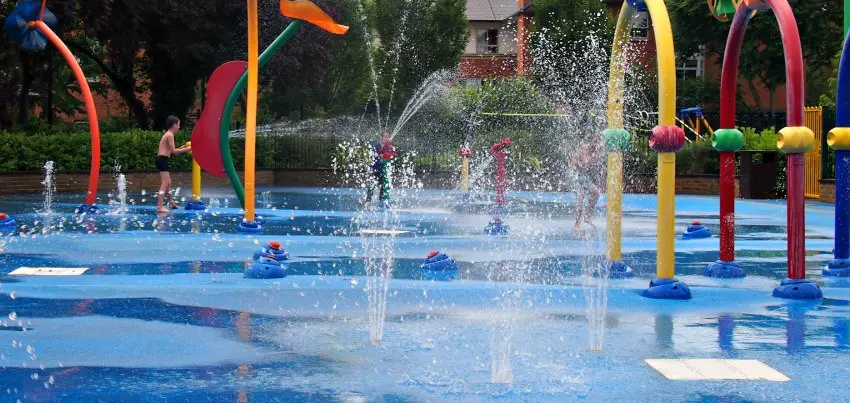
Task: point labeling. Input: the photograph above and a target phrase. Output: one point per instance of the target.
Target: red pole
(498, 152)
(727, 206)
(796, 216)
(501, 171)
(795, 168)
(90, 109)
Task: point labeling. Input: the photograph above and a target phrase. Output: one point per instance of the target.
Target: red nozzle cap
(3, 216)
(696, 223)
(433, 253)
(274, 244)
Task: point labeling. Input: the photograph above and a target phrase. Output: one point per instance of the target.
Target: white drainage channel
(716, 370)
(48, 271)
(382, 231)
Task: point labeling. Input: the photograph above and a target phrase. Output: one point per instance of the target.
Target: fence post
(813, 119)
(828, 117)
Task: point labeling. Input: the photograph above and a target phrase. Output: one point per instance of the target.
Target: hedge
(136, 149)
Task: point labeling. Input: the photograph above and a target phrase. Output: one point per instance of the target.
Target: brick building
(497, 46)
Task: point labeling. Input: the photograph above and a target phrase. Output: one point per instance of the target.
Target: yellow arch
(666, 59)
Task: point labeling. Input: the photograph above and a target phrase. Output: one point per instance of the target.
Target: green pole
(385, 182)
(224, 129)
(846, 16)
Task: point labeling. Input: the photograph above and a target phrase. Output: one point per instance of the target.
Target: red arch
(795, 97)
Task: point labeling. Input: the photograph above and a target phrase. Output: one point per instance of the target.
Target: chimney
(523, 29)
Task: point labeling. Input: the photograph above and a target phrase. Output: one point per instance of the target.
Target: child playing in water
(587, 166)
(166, 149)
(384, 152)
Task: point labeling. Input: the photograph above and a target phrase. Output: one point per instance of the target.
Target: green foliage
(762, 56)
(830, 93)
(640, 159)
(760, 141)
(135, 150)
(567, 25)
(433, 38)
(698, 158)
(697, 91)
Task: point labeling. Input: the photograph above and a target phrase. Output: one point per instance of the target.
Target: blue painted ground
(164, 313)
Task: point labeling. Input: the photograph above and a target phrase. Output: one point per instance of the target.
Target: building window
(487, 41)
(691, 67)
(640, 26)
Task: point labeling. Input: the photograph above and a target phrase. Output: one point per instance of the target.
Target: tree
(417, 38)
(570, 43)
(762, 58)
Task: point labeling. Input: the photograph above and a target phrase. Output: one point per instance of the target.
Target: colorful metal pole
(846, 18)
(249, 223)
(498, 152)
(195, 203)
(794, 140)
(617, 141)
(666, 222)
(727, 206)
(465, 153)
(224, 129)
(842, 204)
(196, 181)
(385, 183)
(839, 140)
(501, 171)
(94, 129)
(666, 139)
(727, 140)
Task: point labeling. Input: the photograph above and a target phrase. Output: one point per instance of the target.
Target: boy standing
(587, 165)
(166, 149)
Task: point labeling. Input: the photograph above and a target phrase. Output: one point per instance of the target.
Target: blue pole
(842, 204)
(840, 141)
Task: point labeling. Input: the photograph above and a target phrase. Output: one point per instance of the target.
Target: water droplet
(13, 316)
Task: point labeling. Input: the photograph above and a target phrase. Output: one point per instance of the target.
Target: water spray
(499, 152)
(465, 154)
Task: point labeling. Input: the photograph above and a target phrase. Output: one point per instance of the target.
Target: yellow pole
(666, 117)
(196, 177)
(251, 112)
(666, 216)
(196, 181)
(616, 93)
(464, 176)
(615, 207)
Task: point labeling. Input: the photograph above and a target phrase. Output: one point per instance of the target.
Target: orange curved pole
(94, 129)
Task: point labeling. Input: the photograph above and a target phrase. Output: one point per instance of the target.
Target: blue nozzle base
(792, 288)
(618, 269)
(837, 268)
(723, 269)
(86, 209)
(249, 227)
(265, 268)
(496, 228)
(195, 205)
(667, 288)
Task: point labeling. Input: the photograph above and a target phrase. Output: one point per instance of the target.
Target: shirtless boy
(166, 149)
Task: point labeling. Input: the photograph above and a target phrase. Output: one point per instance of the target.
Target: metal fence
(813, 119)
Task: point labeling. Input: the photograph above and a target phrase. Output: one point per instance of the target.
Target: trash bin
(758, 173)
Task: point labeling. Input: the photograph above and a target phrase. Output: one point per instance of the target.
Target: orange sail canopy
(307, 11)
